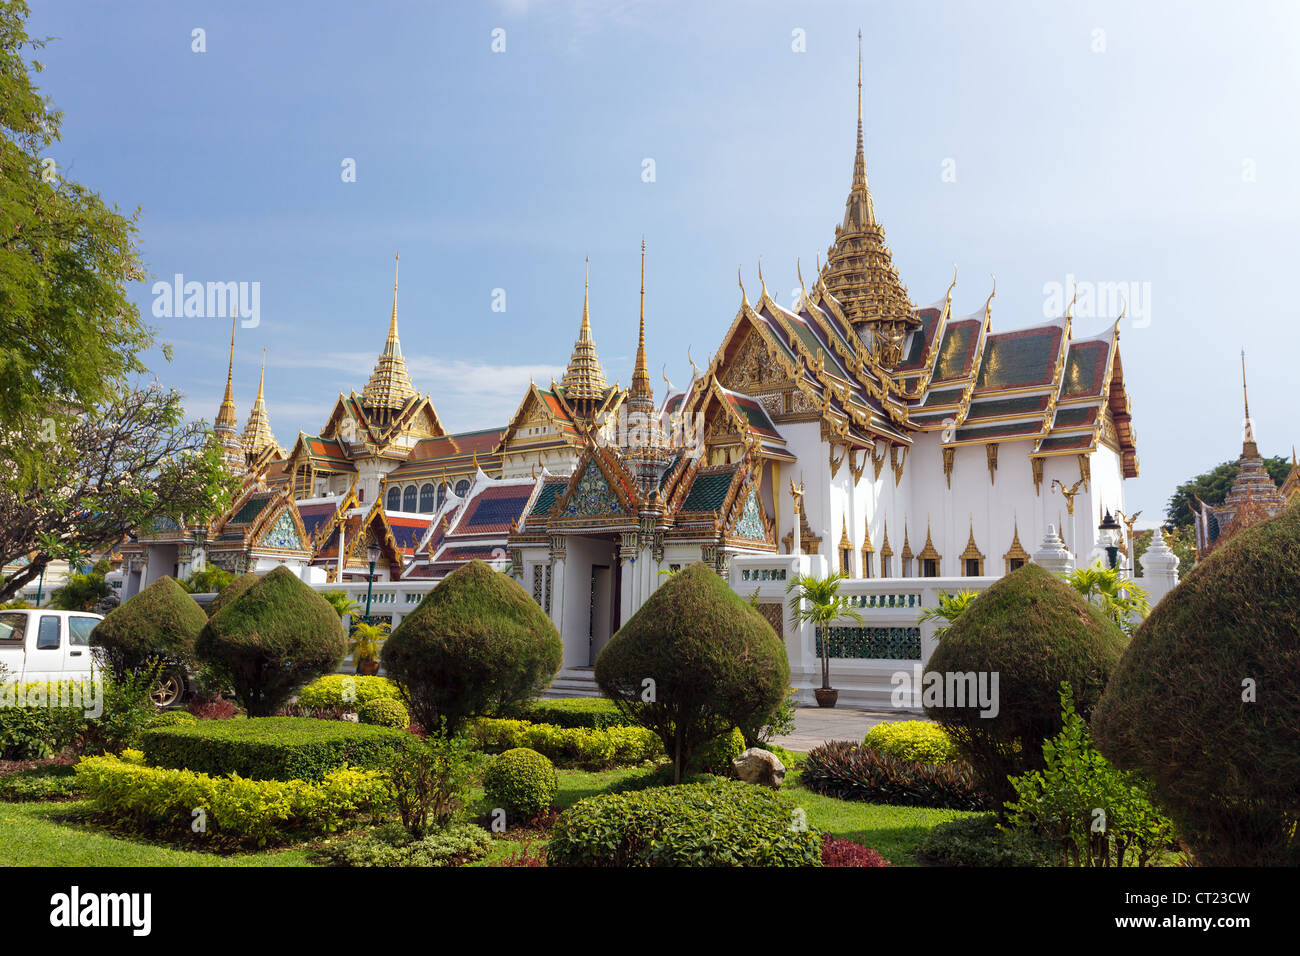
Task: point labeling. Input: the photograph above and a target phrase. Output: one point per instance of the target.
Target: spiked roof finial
(641, 397)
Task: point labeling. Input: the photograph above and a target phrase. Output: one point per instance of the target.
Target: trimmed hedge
(160, 623)
(850, 771)
(593, 713)
(1205, 702)
(384, 712)
(271, 640)
(272, 748)
(172, 718)
(231, 591)
(54, 782)
(1033, 631)
(718, 823)
(916, 740)
(478, 642)
(346, 691)
(714, 661)
(569, 747)
(235, 809)
(522, 782)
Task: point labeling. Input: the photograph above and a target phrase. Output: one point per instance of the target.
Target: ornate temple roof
(258, 436)
(389, 386)
(584, 381)
(859, 270)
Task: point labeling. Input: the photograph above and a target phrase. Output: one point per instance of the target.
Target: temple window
(426, 498)
(462, 488)
(929, 568)
(394, 499)
(408, 498)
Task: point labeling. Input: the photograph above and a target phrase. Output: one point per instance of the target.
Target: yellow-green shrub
(236, 809)
(917, 740)
(569, 746)
(346, 691)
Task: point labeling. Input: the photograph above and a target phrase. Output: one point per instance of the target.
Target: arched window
(462, 488)
(394, 499)
(442, 494)
(426, 499)
(408, 499)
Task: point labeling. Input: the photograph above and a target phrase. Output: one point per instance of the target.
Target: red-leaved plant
(847, 853)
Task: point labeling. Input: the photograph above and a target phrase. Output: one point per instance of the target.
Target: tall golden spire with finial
(226, 426)
(257, 433)
(859, 270)
(1249, 449)
(390, 386)
(584, 381)
(641, 398)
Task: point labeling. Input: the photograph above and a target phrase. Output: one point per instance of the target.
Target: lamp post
(372, 553)
(1109, 529)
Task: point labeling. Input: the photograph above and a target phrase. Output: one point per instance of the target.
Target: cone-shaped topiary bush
(231, 591)
(477, 642)
(158, 624)
(271, 640)
(1028, 632)
(693, 662)
(1206, 700)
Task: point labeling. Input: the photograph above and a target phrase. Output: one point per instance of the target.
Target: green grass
(35, 836)
(55, 834)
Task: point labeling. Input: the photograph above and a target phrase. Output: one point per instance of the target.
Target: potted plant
(364, 643)
(818, 601)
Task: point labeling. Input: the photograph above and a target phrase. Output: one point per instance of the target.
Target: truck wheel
(168, 691)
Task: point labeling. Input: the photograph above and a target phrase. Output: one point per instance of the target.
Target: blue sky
(1158, 152)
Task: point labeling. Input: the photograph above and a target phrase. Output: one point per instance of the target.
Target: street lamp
(1109, 529)
(372, 553)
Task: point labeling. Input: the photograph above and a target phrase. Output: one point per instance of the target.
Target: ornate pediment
(750, 523)
(753, 367)
(283, 534)
(592, 496)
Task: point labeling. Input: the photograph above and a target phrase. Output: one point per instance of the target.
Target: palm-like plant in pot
(818, 601)
(364, 643)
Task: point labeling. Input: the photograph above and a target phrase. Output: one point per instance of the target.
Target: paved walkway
(813, 726)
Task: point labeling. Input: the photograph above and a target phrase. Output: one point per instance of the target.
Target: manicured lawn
(30, 837)
(31, 834)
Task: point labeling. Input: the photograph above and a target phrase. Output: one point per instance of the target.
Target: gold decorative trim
(991, 451)
(949, 456)
(897, 463)
(1085, 472)
(1037, 465)
(878, 461)
(1016, 551)
(856, 468)
(835, 465)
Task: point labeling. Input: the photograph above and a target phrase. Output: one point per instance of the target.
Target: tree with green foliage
(208, 581)
(1033, 631)
(157, 626)
(342, 603)
(818, 601)
(478, 642)
(270, 640)
(695, 661)
(85, 457)
(84, 589)
(1206, 700)
(1212, 487)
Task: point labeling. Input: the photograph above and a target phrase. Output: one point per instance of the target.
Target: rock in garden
(760, 766)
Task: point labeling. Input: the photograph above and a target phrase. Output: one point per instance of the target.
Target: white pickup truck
(45, 645)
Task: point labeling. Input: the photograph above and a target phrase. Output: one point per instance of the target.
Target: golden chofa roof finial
(761, 283)
(740, 280)
(803, 290)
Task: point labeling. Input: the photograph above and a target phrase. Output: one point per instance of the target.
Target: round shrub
(347, 691)
(715, 823)
(1206, 700)
(231, 591)
(270, 640)
(158, 624)
(172, 718)
(1032, 631)
(477, 642)
(716, 663)
(916, 740)
(384, 712)
(715, 756)
(522, 782)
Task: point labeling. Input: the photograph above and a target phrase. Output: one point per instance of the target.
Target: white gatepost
(1159, 568)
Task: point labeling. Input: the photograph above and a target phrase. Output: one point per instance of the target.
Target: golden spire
(1248, 447)
(227, 422)
(584, 381)
(257, 433)
(389, 386)
(641, 397)
(859, 269)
